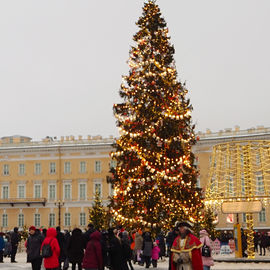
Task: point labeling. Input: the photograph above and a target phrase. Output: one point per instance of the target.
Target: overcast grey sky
(61, 62)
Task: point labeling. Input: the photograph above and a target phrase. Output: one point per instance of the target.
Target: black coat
(116, 254)
(63, 247)
(15, 238)
(75, 246)
(33, 246)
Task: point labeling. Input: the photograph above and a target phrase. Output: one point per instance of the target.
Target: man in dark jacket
(33, 246)
(63, 249)
(15, 239)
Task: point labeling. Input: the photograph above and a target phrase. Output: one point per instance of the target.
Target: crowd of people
(115, 248)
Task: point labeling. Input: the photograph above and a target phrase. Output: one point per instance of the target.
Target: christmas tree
(155, 177)
(97, 214)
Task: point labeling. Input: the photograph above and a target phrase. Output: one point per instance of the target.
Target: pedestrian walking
(147, 249)
(2, 246)
(87, 234)
(52, 262)
(127, 251)
(63, 263)
(92, 259)
(7, 249)
(116, 256)
(14, 239)
(33, 246)
(206, 260)
(138, 248)
(75, 248)
(155, 253)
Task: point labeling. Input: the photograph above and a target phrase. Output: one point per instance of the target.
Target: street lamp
(59, 204)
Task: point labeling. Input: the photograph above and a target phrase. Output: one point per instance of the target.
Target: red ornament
(153, 82)
(198, 138)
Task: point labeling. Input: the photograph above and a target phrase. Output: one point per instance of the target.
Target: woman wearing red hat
(52, 263)
(33, 245)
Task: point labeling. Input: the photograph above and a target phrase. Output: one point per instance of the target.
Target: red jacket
(193, 246)
(93, 256)
(52, 262)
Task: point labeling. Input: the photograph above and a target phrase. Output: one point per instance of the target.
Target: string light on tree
(155, 178)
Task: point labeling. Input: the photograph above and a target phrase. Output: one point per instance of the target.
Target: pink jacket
(204, 238)
(155, 252)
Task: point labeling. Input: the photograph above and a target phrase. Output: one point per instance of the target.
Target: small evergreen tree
(98, 216)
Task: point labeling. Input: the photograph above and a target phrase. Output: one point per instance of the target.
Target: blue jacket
(2, 243)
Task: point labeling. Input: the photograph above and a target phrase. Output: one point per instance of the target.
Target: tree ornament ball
(153, 82)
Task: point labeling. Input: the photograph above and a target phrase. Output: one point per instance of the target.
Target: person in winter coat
(155, 253)
(33, 246)
(127, 251)
(92, 259)
(147, 249)
(205, 240)
(15, 238)
(75, 248)
(8, 247)
(138, 248)
(115, 250)
(63, 249)
(262, 243)
(52, 263)
(161, 245)
(87, 234)
(2, 246)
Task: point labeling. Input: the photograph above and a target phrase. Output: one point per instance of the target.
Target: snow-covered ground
(21, 258)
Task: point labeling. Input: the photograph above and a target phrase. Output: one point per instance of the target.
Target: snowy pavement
(22, 265)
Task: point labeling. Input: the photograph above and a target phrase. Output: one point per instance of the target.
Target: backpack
(206, 252)
(46, 250)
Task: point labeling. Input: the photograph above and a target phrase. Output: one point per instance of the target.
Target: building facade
(52, 182)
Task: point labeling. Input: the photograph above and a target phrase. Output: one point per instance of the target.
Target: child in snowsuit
(155, 253)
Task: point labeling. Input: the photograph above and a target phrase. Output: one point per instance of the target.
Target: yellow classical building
(52, 182)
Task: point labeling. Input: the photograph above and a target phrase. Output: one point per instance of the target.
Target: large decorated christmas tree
(155, 177)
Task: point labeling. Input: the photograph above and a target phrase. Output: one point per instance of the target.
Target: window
(262, 216)
(243, 184)
(21, 191)
(52, 192)
(98, 189)
(37, 220)
(67, 191)
(82, 219)
(5, 192)
(82, 191)
(111, 190)
(97, 166)
(4, 220)
(21, 220)
(82, 167)
(113, 164)
(67, 167)
(51, 220)
(198, 183)
(260, 184)
(244, 217)
(37, 168)
(5, 169)
(67, 219)
(258, 159)
(21, 169)
(52, 167)
(37, 191)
